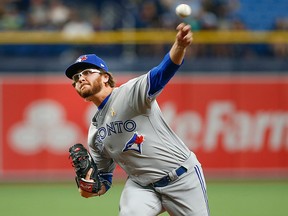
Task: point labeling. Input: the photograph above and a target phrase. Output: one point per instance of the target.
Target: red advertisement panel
(229, 122)
(40, 119)
(232, 122)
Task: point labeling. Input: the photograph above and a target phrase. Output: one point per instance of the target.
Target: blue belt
(166, 179)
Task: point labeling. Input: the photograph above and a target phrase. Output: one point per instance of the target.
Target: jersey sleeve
(106, 167)
(143, 90)
(160, 75)
(104, 164)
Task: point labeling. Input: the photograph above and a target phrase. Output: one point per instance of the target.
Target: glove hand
(87, 176)
(87, 194)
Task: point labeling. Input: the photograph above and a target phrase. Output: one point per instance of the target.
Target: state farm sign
(239, 130)
(229, 122)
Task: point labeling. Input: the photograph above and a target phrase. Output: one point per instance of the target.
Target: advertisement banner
(230, 122)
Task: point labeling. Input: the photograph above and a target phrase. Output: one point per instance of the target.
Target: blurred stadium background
(229, 101)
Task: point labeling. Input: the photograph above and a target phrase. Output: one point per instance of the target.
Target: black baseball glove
(82, 162)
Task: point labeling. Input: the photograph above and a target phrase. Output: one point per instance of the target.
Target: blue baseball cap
(84, 62)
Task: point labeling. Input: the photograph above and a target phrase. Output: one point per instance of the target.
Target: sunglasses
(85, 73)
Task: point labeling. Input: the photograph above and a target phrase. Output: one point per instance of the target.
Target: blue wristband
(106, 179)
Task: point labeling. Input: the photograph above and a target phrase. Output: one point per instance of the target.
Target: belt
(167, 179)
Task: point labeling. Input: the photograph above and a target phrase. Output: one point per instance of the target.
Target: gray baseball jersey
(130, 129)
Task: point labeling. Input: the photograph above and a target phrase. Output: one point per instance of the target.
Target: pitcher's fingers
(180, 26)
(88, 175)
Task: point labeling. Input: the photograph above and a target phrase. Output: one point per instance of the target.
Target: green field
(227, 198)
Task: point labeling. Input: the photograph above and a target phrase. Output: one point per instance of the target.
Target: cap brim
(75, 68)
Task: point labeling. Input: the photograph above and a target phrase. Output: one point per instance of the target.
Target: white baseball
(183, 10)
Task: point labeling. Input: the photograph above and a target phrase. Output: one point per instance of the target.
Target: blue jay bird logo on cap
(82, 58)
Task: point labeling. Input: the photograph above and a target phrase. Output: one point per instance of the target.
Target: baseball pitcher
(129, 129)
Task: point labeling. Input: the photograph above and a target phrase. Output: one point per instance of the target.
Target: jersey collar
(104, 102)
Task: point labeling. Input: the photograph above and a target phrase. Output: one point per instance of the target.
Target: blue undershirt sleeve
(106, 179)
(160, 75)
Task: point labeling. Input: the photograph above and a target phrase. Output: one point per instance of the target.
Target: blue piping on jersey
(104, 102)
(203, 186)
(160, 75)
